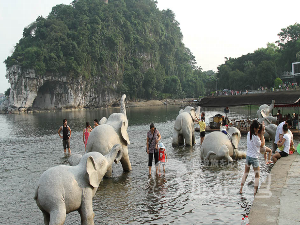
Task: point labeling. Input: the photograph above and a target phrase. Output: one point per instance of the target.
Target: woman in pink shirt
(86, 133)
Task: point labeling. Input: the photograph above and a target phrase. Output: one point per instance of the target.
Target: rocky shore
(129, 104)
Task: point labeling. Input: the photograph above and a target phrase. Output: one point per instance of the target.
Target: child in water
(202, 129)
(162, 156)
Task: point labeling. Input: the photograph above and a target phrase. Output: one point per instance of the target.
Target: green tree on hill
(129, 41)
(264, 65)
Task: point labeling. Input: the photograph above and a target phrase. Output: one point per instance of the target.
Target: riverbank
(277, 200)
(129, 104)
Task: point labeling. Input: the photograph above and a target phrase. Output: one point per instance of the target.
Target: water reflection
(189, 192)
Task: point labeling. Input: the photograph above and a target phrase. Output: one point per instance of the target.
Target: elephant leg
(188, 139)
(108, 172)
(46, 217)
(180, 139)
(227, 156)
(126, 163)
(175, 138)
(193, 139)
(86, 209)
(58, 216)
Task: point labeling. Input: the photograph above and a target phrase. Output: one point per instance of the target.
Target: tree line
(263, 67)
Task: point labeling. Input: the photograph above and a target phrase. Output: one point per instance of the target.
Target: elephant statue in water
(184, 130)
(218, 146)
(264, 113)
(63, 189)
(111, 131)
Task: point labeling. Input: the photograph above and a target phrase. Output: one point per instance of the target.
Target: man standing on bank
(66, 136)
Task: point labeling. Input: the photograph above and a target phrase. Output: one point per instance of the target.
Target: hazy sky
(212, 30)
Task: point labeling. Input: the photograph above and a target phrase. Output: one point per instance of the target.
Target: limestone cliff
(55, 91)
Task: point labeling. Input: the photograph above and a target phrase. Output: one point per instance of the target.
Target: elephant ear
(124, 133)
(92, 172)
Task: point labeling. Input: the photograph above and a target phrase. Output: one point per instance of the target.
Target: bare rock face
(55, 91)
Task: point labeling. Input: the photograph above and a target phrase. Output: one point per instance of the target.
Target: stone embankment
(278, 198)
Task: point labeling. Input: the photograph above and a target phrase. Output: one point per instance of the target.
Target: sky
(212, 30)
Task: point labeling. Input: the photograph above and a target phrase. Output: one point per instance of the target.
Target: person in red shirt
(162, 156)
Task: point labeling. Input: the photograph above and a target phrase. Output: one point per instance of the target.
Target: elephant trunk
(241, 155)
(115, 154)
(122, 103)
(271, 107)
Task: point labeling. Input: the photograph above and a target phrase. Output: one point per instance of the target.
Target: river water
(188, 193)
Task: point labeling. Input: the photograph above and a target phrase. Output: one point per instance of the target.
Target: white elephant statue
(184, 130)
(218, 146)
(111, 131)
(63, 189)
(264, 113)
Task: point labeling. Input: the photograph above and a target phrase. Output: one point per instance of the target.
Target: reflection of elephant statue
(264, 113)
(63, 189)
(184, 129)
(218, 146)
(111, 131)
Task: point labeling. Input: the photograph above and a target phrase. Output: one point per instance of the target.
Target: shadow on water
(189, 192)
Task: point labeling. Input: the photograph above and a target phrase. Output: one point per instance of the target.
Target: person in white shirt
(286, 142)
(254, 143)
(279, 130)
